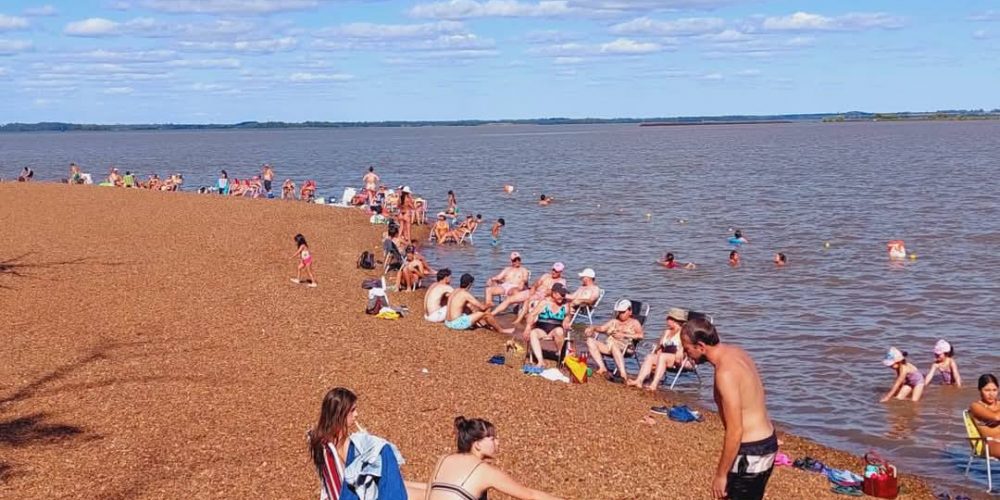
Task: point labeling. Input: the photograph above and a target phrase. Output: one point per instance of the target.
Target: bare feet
(600, 371)
(650, 388)
(507, 331)
(633, 383)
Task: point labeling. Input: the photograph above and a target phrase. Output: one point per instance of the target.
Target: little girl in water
(944, 363)
(909, 381)
(306, 261)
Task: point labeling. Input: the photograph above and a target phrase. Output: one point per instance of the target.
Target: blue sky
(221, 61)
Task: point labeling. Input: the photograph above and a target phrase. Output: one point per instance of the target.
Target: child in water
(544, 201)
(305, 262)
(738, 239)
(669, 262)
(734, 258)
(909, 381)
(495, 230)
(944, 363)
(780, 260)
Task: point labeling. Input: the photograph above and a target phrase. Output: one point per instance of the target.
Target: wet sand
(154, 347)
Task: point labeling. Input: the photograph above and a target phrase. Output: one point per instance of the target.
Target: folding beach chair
(640, 312)
(980, 447)
(391, 257)
(588, 309)
(684, 362)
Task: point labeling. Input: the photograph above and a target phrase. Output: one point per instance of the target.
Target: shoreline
(157, 349)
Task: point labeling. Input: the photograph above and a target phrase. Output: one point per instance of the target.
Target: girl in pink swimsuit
(305, 262)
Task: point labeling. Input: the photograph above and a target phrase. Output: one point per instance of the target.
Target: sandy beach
(155, 348)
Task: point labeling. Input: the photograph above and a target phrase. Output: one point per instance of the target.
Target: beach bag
(880, 479)
(681, 413)
(577, 368)
(366, 260)
(375, 304)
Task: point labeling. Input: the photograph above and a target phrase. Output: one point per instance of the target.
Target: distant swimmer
(734, 258)
(495, 230)
(897, 250)
(545, 200)
(780, 259)
(909, 382)
(669, 262)
(737, 239)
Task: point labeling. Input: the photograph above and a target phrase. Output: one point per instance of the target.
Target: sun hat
(442, 214)
(677, 314)
(558, 266)
(942, 347)
(892, 356)
(588, 273)
(514, 255)
(623, 305)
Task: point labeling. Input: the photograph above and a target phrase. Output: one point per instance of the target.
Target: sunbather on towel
(436, 298)
(466, 312)
(621, 330)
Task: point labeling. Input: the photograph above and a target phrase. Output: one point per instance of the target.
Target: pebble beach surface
(154, 347)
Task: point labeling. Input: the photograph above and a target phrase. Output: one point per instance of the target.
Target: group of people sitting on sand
(260, 186)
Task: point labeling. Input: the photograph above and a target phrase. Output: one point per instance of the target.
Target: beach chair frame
(640, 312)
(588, 309)
(980, 448)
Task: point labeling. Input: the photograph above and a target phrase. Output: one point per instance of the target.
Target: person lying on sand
(436, 298)
(465, 312)
(621, 331)
(468, 473)
(511, 280)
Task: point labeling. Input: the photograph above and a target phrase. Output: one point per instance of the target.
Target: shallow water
(818, 327)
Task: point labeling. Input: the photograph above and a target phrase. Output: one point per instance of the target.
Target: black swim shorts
(752, 469)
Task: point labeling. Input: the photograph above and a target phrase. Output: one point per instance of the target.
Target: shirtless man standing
(466, 312)
(370, 181)
(268, 175)
(750, 444)
(511, 280)
(435, 300)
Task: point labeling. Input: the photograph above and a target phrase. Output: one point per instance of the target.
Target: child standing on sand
(495, 230)
(305, 262)
(909, 381)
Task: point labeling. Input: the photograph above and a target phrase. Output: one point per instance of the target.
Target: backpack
(366, 260)
(375, 304)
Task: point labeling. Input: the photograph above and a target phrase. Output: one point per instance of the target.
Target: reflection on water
(828, 196)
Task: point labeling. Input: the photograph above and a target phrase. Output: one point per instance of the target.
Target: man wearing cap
(749, 445)
(511, 280)
(538, 291)
(667, 354)
(440, 228)
(621, 331)
(436, 298)
(588, 292)
(465, 312)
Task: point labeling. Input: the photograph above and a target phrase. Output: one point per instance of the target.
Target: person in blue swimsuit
(549, 320)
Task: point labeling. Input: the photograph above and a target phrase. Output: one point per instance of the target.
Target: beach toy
(507, 188)
(913, 256)
(897, 250)
(826, 244)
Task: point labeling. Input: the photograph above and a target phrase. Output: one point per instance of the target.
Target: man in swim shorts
(511, 280)
(268, 175)
(750, 444)
(436, 298)
(466, 312)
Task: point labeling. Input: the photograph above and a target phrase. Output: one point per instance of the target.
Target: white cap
(588, 273)
(942, 347)
(406, 189)
(623, 305)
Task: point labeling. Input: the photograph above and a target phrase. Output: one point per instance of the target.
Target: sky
(227, 61)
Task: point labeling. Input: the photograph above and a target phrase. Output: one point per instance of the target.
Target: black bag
(375, 304)
(367, 260)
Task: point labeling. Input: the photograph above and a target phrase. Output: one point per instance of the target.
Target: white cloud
(224, 63)
(11, 47)
(118, 90)
(567, 61)
(41, 103)
(3, 71)
(626, 46)
(678, 27)
(319, 77)
(856, 21)
(10, 23)
(140, 56)
(228, 6)
(988, 15)
(712, 77)
(41, 11)
(92, 27)
(392, 31)
(729, 36)
(461, 9)
(260, 46)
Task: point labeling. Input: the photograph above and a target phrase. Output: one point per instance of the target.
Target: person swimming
(734, 258)
(780, 259)
(737, 239)
(544, 200)
(669, 262)
(495, 230)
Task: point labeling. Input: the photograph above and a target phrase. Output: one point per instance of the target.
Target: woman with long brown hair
(354, 465)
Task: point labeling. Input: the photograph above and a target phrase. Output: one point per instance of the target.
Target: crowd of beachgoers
(355, 464)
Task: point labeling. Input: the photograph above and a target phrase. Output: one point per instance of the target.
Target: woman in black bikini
(467, 476)
(986, 411)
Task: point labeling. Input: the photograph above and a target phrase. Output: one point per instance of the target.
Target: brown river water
(818, 328)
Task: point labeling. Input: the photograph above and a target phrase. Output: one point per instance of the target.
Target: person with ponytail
(909, 382)
(467, 475)
(358, 465)
(986, 412)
